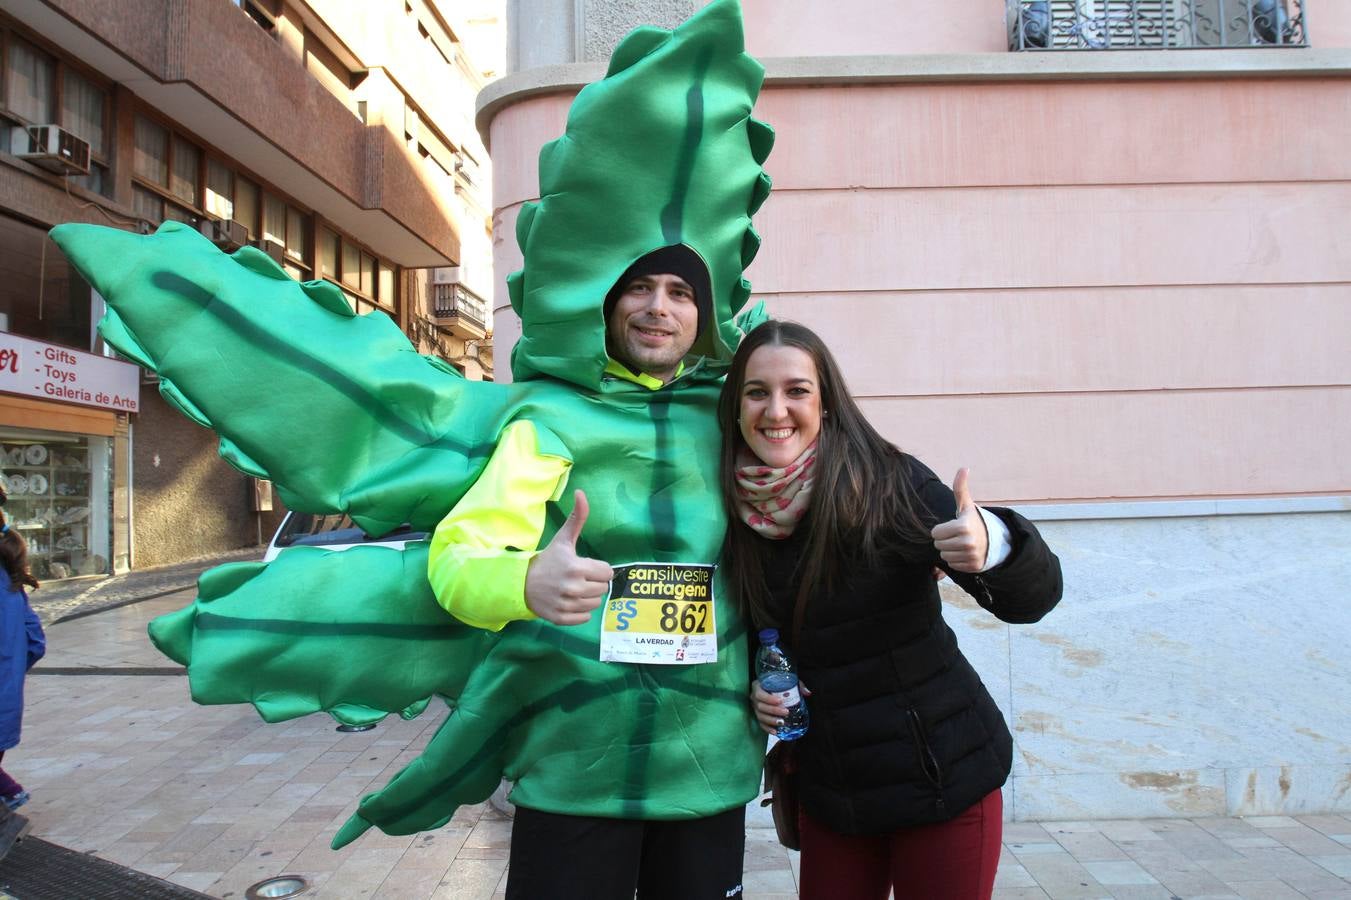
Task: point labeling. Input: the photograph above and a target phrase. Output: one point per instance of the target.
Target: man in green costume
(652, 318)
(634, 711)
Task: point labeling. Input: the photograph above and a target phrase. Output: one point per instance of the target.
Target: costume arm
(481, 550)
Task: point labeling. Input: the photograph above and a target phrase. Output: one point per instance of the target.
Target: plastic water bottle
(777, 676)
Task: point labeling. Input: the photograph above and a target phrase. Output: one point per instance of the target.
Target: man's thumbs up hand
(962, 542)
(560, 586)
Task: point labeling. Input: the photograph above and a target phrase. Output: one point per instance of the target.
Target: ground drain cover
(37, 870)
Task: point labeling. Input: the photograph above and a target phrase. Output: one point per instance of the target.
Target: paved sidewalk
(125, 766)
(71, 597)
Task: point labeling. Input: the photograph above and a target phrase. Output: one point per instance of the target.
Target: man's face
(653, 325)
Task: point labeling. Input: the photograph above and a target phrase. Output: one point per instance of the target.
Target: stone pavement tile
(197, 881)
(761, 856)
(1128, 830)
(1034, 848)
(1196, 885)
(1090, 845)
(1115, 872)
(436, 848)
(375, 839)
(1329, 824)
(159, 870)
(1295, 870)
(483, 853)
(1265, 890)
(772, 881)
(1308, 841)
(1025, 832)
(219, 857)
(1022, 893)
(1247, 868)
(471, 879)
(1252, 842)
(1228, 828)
(362, 873)
(1339, 865)
(490, 834)
(1271, 821)
(255, 866)
(1081, 889)
(124, 853)
(1013, 875)
(1071, 826)
(1197, 844)
(1062, 877)
(1141, 892)
(409, 884)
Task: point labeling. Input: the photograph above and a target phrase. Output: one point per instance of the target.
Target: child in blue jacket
(22, 644)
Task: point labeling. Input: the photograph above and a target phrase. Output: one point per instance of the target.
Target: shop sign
(38, 369)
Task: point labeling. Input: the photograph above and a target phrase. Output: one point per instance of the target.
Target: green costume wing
(343, 415)
(338, 410)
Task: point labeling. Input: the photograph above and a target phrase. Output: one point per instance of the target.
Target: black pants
(558, 857)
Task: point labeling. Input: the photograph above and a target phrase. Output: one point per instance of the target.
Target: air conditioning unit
(271, 248)
(57, 150)
(226, 234)
(446, 275)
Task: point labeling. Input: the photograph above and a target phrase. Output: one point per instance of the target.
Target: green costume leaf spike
(662, 151)
(338, 409)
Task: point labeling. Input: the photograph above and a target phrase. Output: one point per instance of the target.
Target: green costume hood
(662, 151)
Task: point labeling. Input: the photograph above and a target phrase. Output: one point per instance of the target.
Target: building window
(1171, 24)
(220, 190)
(150, 156)
(39, 88)
(30, 82)
(367, 280)
(246, 205)
(187, 160)
(263, 12)
(166, 170)
(41, 294)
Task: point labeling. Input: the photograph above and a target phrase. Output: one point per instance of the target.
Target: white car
(333, 532)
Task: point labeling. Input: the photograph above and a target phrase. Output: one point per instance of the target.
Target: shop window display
(58, 487)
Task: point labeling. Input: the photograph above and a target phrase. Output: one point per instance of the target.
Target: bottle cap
(769, 636)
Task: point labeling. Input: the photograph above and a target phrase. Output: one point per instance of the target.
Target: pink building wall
(1085, 288)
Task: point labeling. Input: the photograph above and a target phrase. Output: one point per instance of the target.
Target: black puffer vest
(902, 731)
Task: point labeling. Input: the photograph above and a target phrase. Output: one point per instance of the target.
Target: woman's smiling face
(780, 404)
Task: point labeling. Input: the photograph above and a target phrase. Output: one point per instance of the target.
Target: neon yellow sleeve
(480, 552)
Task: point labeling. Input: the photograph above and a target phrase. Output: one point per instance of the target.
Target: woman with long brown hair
(22, 644)
(833, 538)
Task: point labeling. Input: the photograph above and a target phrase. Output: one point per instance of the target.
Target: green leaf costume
(344, 416)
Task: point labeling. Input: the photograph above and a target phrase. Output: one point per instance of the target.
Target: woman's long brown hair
(14, 554)
(861, 497)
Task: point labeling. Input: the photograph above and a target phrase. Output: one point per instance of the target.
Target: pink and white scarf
(772, 501)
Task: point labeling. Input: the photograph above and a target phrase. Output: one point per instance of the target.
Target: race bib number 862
(660, 613)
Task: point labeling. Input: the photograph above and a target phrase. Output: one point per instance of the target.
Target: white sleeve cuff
(1001, 542)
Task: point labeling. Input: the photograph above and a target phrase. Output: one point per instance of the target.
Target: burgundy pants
(8, 786)
(953, 860)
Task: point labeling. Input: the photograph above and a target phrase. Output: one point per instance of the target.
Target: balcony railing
(1157, 24)
(455, 301)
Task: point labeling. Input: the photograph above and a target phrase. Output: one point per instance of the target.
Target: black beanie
(678, 260)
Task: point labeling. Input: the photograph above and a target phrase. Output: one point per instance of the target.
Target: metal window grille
(1158, 24)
